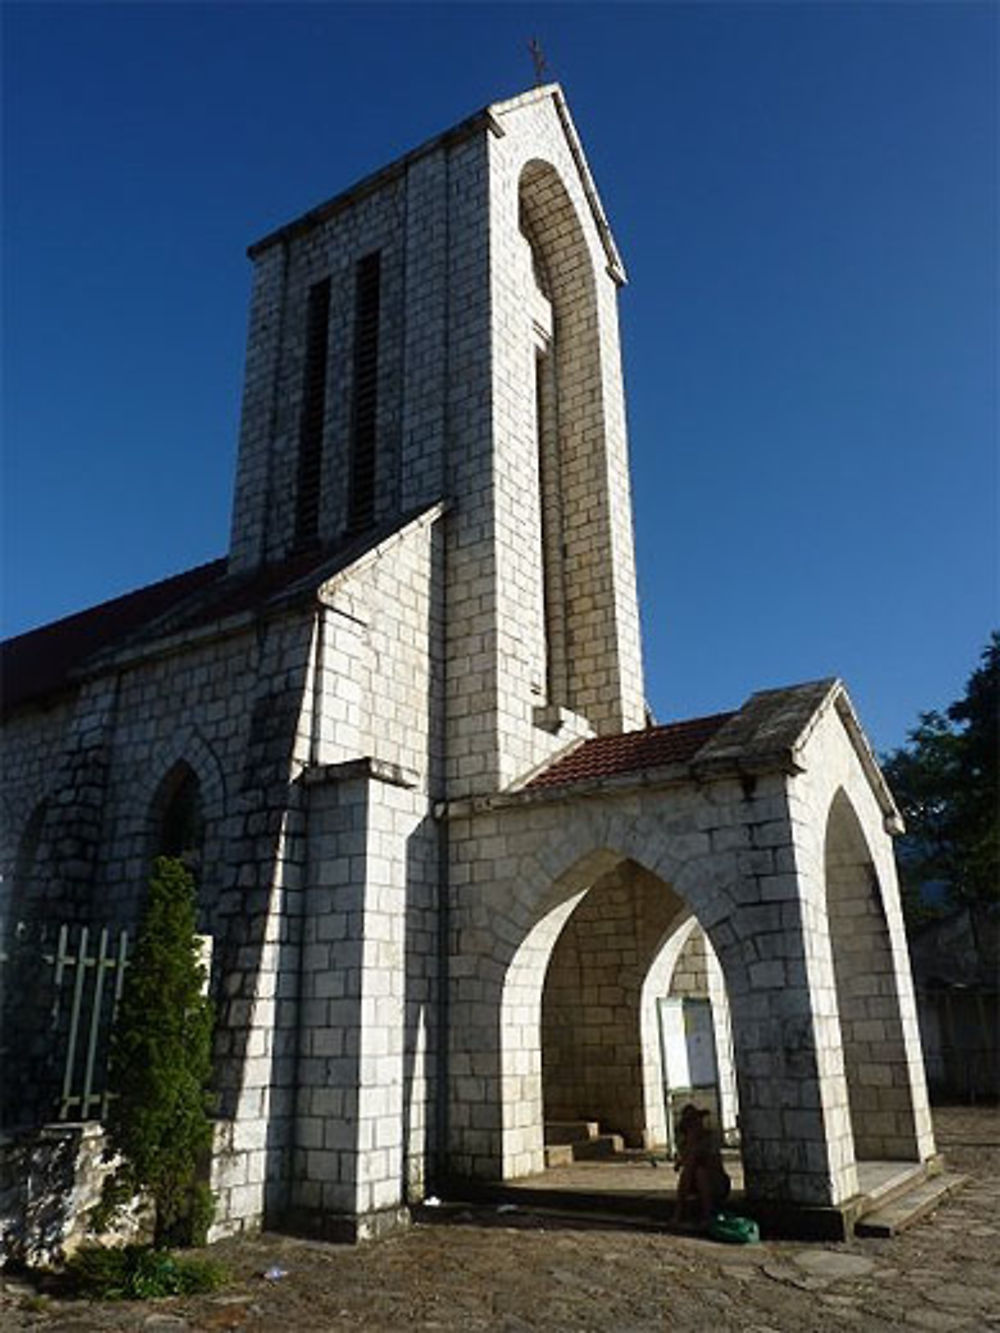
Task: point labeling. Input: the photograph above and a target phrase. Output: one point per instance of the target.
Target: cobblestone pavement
(515, 1271)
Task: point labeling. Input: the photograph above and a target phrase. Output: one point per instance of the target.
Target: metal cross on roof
(538, 56)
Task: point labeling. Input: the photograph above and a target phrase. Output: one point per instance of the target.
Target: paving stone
(958, 1295)
(935, 1321)
(730, 1273)
(792, 1277)
(848, 1309)
(833, 1265)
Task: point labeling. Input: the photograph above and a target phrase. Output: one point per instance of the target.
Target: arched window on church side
(27, 891)
(178, 830)
(180, 822)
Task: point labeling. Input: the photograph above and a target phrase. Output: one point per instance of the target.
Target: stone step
(903, 1179)
(571, 1131)
(603, 1145)
(902, 1210)
(558, 1154)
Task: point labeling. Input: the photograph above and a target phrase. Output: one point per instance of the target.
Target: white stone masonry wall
(601, 608)
(382, 679)
(263, 525)
(366, 1024)
(881, 1028)
(727, 849)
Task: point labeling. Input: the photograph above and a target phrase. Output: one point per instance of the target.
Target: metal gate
(60, 996)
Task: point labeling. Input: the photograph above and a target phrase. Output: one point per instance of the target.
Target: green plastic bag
(733, 1229)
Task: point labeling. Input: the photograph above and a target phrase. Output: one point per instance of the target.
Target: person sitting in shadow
(702, 1179)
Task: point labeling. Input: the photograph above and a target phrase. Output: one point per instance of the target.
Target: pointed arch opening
(582, 1035)
(179, 817)
(569, 427)
(177, 821)
(876, 1066)
(686, 1033)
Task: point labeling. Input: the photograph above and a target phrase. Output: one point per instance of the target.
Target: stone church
(450, 867)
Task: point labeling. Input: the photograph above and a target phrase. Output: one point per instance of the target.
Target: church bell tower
(447, 330)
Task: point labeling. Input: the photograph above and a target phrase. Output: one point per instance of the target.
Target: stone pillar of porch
(348, 1173)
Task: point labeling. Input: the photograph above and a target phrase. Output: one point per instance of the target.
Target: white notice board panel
(675, 1057)
(700, 1039)
(688, 1043)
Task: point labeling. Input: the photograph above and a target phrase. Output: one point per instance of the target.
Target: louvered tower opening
(361, 513)
(307, 499)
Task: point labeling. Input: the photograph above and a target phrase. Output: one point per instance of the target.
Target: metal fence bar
(100, 964)
(62, 957)
(74, 1026)
(76, 978)
(119, 964)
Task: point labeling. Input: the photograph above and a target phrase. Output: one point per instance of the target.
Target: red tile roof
(632, 751)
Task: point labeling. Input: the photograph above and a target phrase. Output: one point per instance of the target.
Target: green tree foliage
(946, 782)
(161, 1064)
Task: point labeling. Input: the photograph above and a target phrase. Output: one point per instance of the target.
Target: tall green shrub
(161, 1064)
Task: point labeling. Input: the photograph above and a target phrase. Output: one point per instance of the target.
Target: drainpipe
(319, 658)
(443, 1064)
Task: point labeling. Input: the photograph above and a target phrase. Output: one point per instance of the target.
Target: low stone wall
(50, 1179)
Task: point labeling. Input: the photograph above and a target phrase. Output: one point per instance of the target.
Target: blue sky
(805, 196)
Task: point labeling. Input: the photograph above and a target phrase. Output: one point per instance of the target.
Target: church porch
(720, 837)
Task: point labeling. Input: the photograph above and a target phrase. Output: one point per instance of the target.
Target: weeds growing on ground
(139, 1273)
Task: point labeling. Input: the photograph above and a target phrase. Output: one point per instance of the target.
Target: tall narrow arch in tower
(570, 431)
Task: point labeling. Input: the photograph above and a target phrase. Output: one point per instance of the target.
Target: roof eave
(891, 817)
(689, 773)
(313, 217)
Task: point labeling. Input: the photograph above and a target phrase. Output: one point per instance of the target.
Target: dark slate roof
(43, 662)
(770, 725)
(39, 663)
(632, 751)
